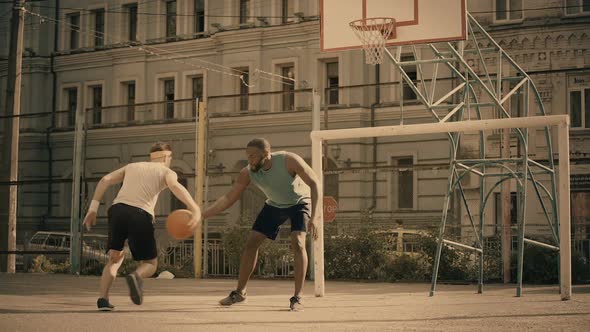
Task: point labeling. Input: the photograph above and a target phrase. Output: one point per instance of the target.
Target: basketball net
(373, 34)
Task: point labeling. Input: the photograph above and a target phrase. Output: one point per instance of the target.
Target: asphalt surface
(49, 302)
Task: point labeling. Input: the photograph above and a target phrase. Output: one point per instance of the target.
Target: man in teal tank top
(290, 186)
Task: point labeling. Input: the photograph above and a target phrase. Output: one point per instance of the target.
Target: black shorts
(135, 225)
(271, 218)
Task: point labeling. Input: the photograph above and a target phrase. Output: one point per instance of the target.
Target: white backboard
(417, 21)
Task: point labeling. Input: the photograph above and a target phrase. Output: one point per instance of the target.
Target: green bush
(405, 267)
(42, 264)
(580, 268)
(359, 255)
(270, 254)
(454, 264)
(234, 242)
(541, 266)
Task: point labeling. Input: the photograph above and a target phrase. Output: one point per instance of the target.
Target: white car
(94, 247)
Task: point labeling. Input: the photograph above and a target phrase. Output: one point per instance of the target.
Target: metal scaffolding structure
(477, 102)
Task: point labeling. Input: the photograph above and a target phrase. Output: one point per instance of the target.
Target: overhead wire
(156, 51)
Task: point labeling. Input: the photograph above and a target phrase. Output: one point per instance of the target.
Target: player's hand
(195, 222)
(313, 231)
(90, 220)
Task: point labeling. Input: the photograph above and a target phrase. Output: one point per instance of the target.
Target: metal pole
(316, 161)
(442, 226)
(206, 230)
(522, 194)
(440, 127)
(75, 217)
(505, 189)
(565, 257)
(13, 96)
(200, 175)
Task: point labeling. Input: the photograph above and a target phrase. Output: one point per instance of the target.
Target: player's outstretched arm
(104, 183)
(184, 196)
(227, 200)
(296, 164)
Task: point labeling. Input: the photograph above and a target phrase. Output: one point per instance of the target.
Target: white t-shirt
(142, 184)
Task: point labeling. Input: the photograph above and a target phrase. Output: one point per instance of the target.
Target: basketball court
(65, 302)
(30, 302)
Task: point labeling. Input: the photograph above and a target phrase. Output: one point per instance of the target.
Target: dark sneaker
(135, 288)
(233, 298)
(295, 304)
(104, 305)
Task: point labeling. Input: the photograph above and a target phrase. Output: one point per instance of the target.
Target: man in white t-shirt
(131, 218)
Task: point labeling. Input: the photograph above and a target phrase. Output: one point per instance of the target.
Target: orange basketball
(177, 224)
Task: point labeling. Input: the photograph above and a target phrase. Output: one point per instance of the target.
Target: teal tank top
(281, 189)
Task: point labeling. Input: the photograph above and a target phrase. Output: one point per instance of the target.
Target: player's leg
(266, 226)
(249, 258)
(299, 215)
(247, 266)
(109, 273)
(147, 268)
(117, 233)
(300, 260)
(142, 243)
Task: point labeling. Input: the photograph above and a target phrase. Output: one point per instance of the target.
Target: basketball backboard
(417, 21)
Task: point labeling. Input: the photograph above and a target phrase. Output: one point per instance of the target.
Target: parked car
(94, 247)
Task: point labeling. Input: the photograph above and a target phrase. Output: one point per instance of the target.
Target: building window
(287, 10)
(169, 98)
(98, 27)
(513, 211)
(331, 181)
(72, 97)
(412, 72)
(403, 190)
(130, 87)
(197, 92)
(576, 7)
(516, 101)
(244, 11)
(244, 91)
(175, 203)
(288, 88)
(74, 24)
(507, 10)
(199, 16)
(96, 105)
(580, 108)
(332, 81)
(132, 21)
(170, 19)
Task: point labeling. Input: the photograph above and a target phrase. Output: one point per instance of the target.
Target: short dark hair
(160, 146)
(259, 143)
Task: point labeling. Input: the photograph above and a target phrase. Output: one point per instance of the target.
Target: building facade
(135, 68)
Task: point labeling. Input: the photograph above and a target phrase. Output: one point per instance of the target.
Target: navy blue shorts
(271, 218)
(134, 225)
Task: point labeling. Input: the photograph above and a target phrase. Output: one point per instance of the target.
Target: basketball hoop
(373, 33)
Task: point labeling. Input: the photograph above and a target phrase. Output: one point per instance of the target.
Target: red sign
(330, 208)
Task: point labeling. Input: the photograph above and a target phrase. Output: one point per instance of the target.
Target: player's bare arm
(227, 200)
(105, 182)
(180, 192)
(297, 166)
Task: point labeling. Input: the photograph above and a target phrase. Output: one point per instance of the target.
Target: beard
(257, 167)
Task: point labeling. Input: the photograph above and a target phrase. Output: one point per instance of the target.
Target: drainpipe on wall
(373, 106)
(53, 110)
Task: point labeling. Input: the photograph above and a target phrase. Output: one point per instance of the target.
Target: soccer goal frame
(561, 122)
